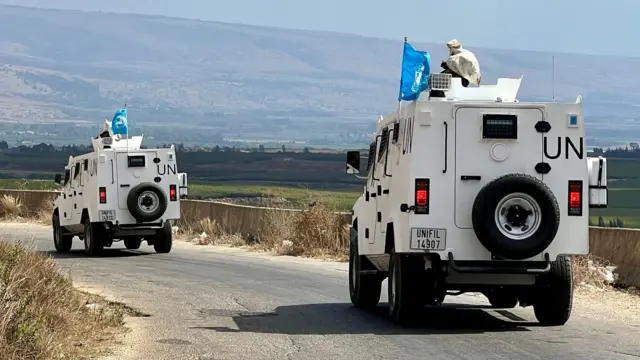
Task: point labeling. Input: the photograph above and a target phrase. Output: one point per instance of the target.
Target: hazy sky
(587, 26)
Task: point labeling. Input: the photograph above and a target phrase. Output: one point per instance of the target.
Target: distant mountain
(66, 65)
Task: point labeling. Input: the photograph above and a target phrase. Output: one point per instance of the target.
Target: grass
(293, 197)
(43, 316)
(23, 184)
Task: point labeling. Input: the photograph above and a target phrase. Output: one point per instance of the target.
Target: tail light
(173, 194)
(103, 195)
(422, 196)
(575, 198)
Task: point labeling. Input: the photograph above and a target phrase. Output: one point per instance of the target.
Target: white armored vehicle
(470, 190)
(118, 192)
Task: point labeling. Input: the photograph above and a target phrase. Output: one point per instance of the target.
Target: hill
(224, 81)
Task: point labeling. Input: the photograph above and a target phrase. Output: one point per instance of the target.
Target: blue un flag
(416, 67)
(119, 123)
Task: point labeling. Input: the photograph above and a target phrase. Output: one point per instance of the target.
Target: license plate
(107, 215)
(428, 239)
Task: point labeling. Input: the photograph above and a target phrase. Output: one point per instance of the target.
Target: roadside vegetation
(44, 317)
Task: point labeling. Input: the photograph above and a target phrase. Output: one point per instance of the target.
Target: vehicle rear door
(133, 168)
(491, 142)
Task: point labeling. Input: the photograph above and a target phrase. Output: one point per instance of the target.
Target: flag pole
(125, 107)
(401, 71)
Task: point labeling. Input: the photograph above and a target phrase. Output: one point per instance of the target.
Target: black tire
(486, 226)
(406, 302)
(132, 243)
(364, 290)
(94, 238)
(155, 198)
(163, 240)
(502, 299)
(555, 301)
(61, 241)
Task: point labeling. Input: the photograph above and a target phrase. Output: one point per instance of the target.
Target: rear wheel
(61, 241)
(163, 240)
(404, 298)
(94, 238)
(364, 289)
(555, 301)
(132, 243)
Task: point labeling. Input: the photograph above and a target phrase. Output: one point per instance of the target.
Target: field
(287, 179)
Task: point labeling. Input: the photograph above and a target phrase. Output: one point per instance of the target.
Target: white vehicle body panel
(108, 168)
(441, 140)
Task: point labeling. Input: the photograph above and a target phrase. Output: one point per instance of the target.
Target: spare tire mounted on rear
(147, 202)
(515, 216)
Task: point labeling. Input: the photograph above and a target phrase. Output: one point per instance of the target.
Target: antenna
(553, 78)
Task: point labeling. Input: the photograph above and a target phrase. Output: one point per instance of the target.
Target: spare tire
(515, 216)
(147, 202)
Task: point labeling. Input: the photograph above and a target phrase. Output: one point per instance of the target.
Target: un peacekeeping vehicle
(118, 192)
(469, 190)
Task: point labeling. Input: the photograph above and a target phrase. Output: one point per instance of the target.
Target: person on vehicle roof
(462, 63)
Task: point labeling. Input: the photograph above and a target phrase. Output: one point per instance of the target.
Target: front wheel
(554, 303)
(61, 241)
(132, 243)
(501, 299)
(364, 289)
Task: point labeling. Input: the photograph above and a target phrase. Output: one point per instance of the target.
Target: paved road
(210, 303)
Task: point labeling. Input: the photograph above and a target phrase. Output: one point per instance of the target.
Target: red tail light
(173, 194)
(575, 198)
(422, 196)
(103, 195)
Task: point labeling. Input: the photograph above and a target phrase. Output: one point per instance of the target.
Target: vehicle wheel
(364, 290)
(132, 243)
(93, 238)
(502, 299)
(61, 241)
(554, 303)
(515, 216)
(404, 299)
(164, 239)
(147, 202)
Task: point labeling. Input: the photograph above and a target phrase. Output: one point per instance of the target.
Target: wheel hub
(518, 216)
(146, 201)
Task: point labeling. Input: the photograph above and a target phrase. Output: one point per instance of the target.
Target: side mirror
(58, 179)
(353, 162)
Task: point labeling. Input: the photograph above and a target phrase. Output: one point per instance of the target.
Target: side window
(372, 154)
(396, 132)
(86, 165)
(67, 175)
(72, 181)
(76, 171)
(384, 143)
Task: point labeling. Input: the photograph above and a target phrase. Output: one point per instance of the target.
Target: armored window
(396, 132)
(499, 126)
(86, 164)
(384, 143)
(67, 174)
(76, 171)
(372, 154)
